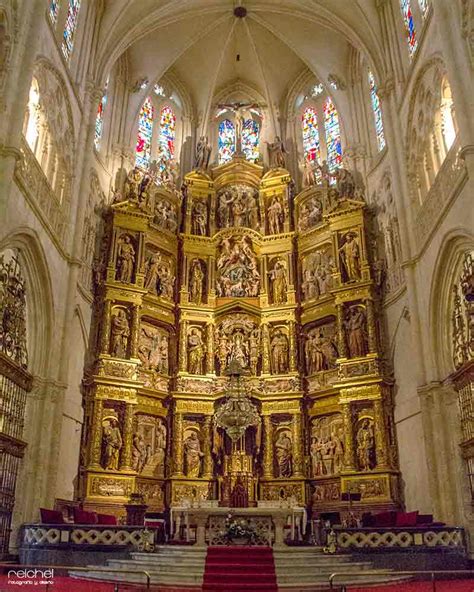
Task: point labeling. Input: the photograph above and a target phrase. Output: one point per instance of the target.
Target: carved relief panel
(160, 273)
(165, 214)
(237, 273)
(153, 348)
(309, 214)
(316, 273)
(320, 347)
(238, 338)
(149, 446)
(326, 448)
(238, 205)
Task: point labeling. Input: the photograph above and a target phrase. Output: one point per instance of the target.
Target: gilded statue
(196, 282)
(120, 333)
(199, 218)
(112, 443)
(203, 154)
(366, 446)
(284, 455)
(356, 332)
(125, 259)
(320, 352)
(279, 350)
(195, 352)
(279, 282)
(152, 268)
(349, 254)
(276, 216)
(192, 456)
(276, 153)
(238, 206)
(238, 349)
(237, 269)
(132, 184)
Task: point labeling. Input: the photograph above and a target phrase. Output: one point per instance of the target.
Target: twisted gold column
(178, 445)
(268, 445)
(105, 342)
(126, 460)
(96, 442)
(297, 446)
(207, 459)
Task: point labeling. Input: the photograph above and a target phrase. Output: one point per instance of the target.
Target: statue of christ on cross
(242, 111)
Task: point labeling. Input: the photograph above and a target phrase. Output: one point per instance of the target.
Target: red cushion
(108, 519)
(406, 518)
(385, 519)
(83, 517)
(51, 516)
(424, 519)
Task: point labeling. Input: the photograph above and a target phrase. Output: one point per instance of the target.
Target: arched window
(145, 131)
(250, 139)
(311, 147)
(167, 135)
(226, 142)
(375, 101)
(32, 127)
(409, 26)
(70, 27)
(333, 135)
(53, 11)
(99, 119)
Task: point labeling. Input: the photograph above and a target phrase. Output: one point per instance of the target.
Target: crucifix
(241, 113)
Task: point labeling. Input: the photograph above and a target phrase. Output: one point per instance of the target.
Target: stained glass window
(423, 4)
(70, 27)
(167, 133)
(99, 118)
(374, 99)
(145, 130)
(317, 90)
(53, 11)
(159, 90)
(250, 139)
(333, 135)
(309, 121)
(226, 144)
(409, 26)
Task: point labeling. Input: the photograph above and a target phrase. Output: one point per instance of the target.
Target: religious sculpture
(199, 218)
(132, 184)
(196, 352)
(309, 175)
(152, 268)
(366, 445)
(120, 333)
(345, 184)
(112, 443)
(279, 351)
(192, 455)
(320, 349)
(349, 254)
(153, 349)
(166, 281)
(196, 282)
(310, 214)
(149, 446)
(276, 216)
(203, 154)
(237, 272)
(138, 452)
(284, 454)
(279, 282)
(356, 331)
(165, 215)
(238, 206)
(125, 259)
(326, 450)
(254, 350)
(276, 153)
(242, 111)
(317, 274)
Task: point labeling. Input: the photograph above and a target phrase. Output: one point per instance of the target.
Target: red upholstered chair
(106, 519)
(83, 517)
(51, 516)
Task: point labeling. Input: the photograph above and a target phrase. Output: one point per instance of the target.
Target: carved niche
(196, 350)
(149, 446)
(279, 350)
(278, 280)
(283, 450)
(320, 348)
(350, 255)
(326, 448)
(237, 272)
(364, 430)
(120, 332)
(355, 325)
(238, 338)
(153, 348)
(160, 273)
(126, 257)
(197, 281)
(165, 214)
(238, 206)
(192, 450)
(316, 272)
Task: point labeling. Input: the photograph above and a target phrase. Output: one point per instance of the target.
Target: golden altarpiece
(235, 267)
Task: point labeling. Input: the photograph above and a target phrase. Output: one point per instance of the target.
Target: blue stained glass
(311, 147)
(70, 27)
(374, 99)
(145, 130)
(333, 135)
(226, 143)
(53, 11)
(167, 133)
(250, 139)
(409, 26)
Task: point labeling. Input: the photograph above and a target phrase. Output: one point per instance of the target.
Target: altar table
(294, 517)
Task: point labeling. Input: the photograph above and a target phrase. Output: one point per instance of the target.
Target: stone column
(297, 446)
(135, 333)
(127, 436)
(349, 453)
(210, 349)
(96, 442)
(106, 318)
(207, 459)
(183, 358)
(380, 436)
(177, 445)
(265, 349)
(371, 329)
(341, 337)
(267, 447)
(292, 345)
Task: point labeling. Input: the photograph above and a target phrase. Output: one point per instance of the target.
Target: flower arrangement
(239, 528)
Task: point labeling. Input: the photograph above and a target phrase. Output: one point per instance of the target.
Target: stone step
(323, 586)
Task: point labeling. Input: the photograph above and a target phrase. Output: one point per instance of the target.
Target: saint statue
(195, 352)
(283, 454)
(356, 332)
(254, 350)
(316, 457)
(132, 184)
(196, 282)
(125, 259)
(120, 332)
(309, 176)
(366, 446)
(276, 153)
(238, 351)
(152, 272)
(192, 456)
(279, 348)
(162, 365)
(112, 442)
(345, 184)
(199, 218)
(279, 282)
(203, 154)
(349, 254)
(276, 216)
(138, 452)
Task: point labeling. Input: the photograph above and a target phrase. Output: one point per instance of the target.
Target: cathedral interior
(236, 257)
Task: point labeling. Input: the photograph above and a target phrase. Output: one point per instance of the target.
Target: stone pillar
(265, 349)
(177, 445)
(380, 436)
(297, 445)
(207, 458)
(341, 337)
(292, 345)
(267, 447)
(127, 436)
(183, 358)
(349, 453)
(135, 333)
(107, 317)
(371, 329)
(210, 349)
(96, 442)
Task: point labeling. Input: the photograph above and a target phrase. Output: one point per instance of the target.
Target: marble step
(163, 579)
(323, 586)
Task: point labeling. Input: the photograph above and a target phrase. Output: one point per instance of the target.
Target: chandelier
(238, 412)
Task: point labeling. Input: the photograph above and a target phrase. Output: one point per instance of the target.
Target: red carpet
(239, 569)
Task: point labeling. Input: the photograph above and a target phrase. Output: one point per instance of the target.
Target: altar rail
(412, 538)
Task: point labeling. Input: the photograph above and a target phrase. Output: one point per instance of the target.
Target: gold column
(341, 338)
(292, 342)
(349, 452)
(105, 345)
(268, 447)
(96, 442)
(380, 435)
(265, 349)
(207, 459)
(371, 333)
(178, 445)
(135, 331)
(183, 358)
(126, 460)
(297, 446)
(210, 349)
